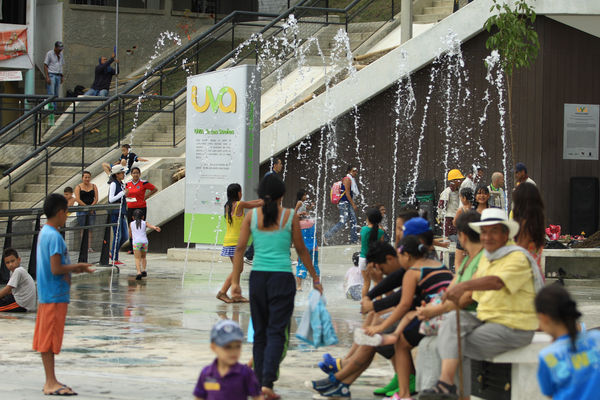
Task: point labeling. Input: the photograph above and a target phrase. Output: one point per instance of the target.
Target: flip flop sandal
(224, 298)
(61, 392)
(240, 299)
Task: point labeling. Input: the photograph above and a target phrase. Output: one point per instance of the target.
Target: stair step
(428, 18)
(64, 170)
(55, 180)
(15, 205)
(443, 3)
(24, 196)
(437, 10)
(36, 188)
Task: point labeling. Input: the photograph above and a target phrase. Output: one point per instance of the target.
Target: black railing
(22, 228)
(165, 83)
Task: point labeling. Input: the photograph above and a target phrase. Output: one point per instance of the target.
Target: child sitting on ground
(568, 367)
(140, 241)
(226, 378)
(54, 270)
(19, 293)
(353, 281)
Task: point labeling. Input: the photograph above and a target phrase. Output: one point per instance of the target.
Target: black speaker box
(585, 205)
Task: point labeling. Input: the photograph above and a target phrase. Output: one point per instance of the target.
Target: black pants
(271, 305)
(9, 304)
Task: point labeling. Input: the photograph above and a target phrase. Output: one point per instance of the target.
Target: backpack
(336, 192)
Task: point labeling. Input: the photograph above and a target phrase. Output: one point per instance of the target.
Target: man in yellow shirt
(504, 287)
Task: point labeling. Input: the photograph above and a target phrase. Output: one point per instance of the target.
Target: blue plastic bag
(315, 326)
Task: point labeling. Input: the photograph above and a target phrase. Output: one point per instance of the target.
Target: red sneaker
(117, 262)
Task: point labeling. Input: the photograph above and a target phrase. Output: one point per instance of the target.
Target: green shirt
(365, 234)
(272, 248)
(466, 274)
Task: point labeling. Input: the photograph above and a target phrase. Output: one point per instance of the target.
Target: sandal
(224, 298)
(64, 390)
(441, 391)
(240, 299)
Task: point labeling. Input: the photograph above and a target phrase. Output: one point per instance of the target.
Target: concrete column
(406, 18)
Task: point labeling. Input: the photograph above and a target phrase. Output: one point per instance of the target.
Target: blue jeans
(119, 237)
(94, 92)
(53, 88)
(346, 213)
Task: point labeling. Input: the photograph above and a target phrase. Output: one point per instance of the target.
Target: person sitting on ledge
(504, 288)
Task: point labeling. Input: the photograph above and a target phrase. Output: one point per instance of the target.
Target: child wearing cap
(226, 378)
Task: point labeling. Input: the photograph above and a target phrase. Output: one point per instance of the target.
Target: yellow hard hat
(455, 174)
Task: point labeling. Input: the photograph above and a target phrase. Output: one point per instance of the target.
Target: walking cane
(461, 388)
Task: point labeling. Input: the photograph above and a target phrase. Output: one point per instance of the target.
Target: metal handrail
(23, 117)
(126, 94)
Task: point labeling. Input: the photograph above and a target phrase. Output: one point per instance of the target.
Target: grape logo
(215, 104)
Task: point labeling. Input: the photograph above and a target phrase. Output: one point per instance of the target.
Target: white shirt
(468, 182)
(112, 198)
(452, 203)
(23, 288)
(55, 63)
(497, 198)
(138, 234)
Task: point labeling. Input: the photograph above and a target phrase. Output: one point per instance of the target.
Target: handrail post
(174, 122)
(392, 17)
(33, 254)
(35, 130)
(4, 273)
(46, 172)
(83, 148)
(327, 12)
(108, 122)
(85, 241)
(121, 112)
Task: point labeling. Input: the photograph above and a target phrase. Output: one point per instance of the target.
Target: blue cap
(416, 226)
(225, 332)
(520, 167)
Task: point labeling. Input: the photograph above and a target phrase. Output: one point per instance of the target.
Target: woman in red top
(136, 199)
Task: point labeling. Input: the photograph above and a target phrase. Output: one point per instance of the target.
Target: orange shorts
(49, 327)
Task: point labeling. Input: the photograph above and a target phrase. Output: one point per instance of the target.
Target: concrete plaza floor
(150, 339)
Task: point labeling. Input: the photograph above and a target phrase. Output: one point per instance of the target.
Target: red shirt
(137, 192)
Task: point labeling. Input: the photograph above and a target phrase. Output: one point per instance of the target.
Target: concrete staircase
(437, 11)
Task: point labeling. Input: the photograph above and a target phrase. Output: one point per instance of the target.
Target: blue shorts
(228, 251)
(301, 271)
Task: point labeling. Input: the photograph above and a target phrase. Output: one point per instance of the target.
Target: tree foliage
(512, 33)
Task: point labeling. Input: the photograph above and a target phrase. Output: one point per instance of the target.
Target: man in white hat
(504, 287)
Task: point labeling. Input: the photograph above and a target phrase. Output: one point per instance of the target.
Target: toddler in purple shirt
(226, 378)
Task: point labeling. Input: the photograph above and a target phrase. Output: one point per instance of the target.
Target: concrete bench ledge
(526, 354)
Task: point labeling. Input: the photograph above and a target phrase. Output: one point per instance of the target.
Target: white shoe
(362, 339)
(247, 261)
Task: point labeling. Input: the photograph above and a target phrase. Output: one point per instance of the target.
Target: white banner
(222, 146)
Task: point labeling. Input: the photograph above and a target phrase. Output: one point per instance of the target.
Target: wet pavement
(149, 339)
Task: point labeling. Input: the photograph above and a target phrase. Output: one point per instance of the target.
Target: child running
(140, 241)
(226, 378)
(369, 234)
(19, 293)
(234, 215)
(570, 367)
(54, 270)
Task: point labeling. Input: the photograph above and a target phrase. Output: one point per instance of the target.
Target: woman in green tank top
(469, 240)
(272, 283)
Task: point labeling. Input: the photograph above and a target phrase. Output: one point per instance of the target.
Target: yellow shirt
(512, 305)
(233, 230)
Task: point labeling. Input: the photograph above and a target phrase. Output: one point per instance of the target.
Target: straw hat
(455, 174)
(117, 169)
(495, 216)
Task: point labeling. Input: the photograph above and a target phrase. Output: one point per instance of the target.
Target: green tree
(513, 35)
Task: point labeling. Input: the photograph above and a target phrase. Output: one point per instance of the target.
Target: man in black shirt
(102, 76)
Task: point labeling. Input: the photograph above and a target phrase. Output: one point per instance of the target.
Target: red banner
(13, 44)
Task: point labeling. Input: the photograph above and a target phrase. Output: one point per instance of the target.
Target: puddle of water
(82, 350)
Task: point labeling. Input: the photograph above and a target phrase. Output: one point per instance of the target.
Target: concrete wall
(48, 29)
(89, 32)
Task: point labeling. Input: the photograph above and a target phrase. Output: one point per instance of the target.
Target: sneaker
(247, 261)
(341, 390)
(362, 339)
(322, 384)
(144, 274)
(392, 385)
(330, 365)
(117, 262)
(138, 277)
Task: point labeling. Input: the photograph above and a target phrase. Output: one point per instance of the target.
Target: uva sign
(214, 104)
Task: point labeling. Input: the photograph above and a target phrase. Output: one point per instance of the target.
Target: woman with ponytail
(570, 367)
(272, 283)
(234, 215)
(369, 234)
